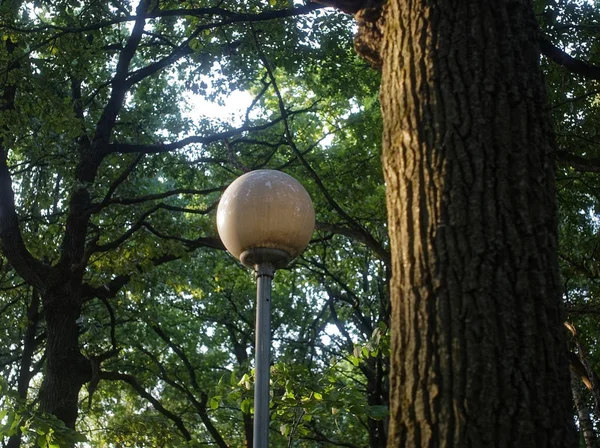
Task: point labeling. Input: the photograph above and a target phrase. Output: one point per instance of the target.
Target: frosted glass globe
(265, 209)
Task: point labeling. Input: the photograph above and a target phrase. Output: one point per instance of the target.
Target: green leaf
(378, 412)
(245, 406)
(245, 381)
(365, 352)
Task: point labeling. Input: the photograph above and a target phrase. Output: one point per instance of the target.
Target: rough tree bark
(478, 349)
(67, 370)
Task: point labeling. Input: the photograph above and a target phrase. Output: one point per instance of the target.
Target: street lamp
(265, 219)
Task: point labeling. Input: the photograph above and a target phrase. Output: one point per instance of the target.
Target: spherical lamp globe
(265, 216)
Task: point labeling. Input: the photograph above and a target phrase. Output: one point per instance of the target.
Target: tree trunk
(478, 350)
(377, 395)
(586, 426)
(66, 368)
(29, 346)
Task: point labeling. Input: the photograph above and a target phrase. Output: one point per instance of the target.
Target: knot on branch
(368, 39)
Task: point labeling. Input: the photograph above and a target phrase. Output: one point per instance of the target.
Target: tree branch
(199, 405)
(106, 291)
(11, 240)
(193, 211)
(179, 351)
(213, 242)
(356, 235)
(113, 324)
(578, 163)
(157, 196)
(593, 382)
(231, 17)
(371, 241)
(125, 148)
(320, 437)
(560, 57)
(93, 248)
(119, 180)
(132, 381)
(592, 93)
(73, 250)
(107, 120)
(349, 344)
(112, 288)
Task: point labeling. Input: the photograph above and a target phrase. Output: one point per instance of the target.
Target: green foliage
(38, 429)
(177, 312)
(573, 100)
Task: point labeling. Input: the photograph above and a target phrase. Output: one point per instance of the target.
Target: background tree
(104, 220)
(572, 74)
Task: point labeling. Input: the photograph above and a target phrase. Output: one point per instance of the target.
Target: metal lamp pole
(262, 367)
(265, 219)
(264, 262)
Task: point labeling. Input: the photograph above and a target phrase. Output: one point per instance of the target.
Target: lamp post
(265, 219)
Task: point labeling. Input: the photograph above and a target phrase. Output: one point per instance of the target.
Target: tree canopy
(121, 123)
